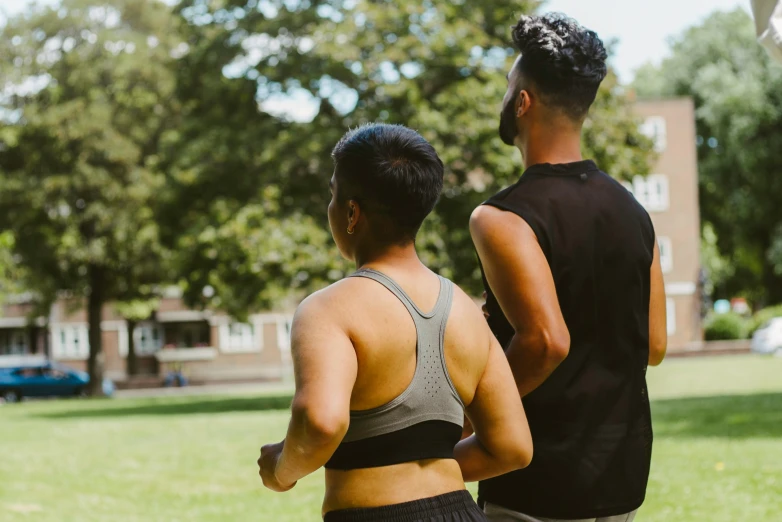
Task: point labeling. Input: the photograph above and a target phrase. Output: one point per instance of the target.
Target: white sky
(641, 26)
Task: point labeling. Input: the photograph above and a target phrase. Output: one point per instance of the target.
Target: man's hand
(467, 430)
(270, 455)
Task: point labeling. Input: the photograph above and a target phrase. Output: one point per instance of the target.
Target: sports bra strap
(441, 307)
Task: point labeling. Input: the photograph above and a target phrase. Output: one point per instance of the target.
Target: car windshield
(61, 367)
(28, 372)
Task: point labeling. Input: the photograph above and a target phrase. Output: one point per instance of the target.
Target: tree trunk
(132, 360)
(772, 282)
(32, 339)
(46, 347)
(94, 316)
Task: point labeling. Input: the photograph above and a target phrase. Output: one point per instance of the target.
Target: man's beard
(508, 130)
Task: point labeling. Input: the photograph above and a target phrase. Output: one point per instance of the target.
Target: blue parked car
(47, 379)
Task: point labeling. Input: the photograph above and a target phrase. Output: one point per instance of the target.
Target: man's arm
(658, 328)
(325, 367)
(519, 275)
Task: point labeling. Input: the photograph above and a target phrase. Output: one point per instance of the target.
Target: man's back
(590, 419)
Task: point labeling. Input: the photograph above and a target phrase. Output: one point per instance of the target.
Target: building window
(238, 337)
(666, 253)
(654, 128)
(284, 324)
(70, 342)
(651, 191)
(190, 334)
(670, 315)
(148, 338)
(13, 341)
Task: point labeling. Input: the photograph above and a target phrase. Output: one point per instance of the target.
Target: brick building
(670, 195)
(206, 346)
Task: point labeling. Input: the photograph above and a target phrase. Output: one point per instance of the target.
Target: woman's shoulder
(467, 318)
(333, 298)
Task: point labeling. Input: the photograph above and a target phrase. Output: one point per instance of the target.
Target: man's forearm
(532, 362)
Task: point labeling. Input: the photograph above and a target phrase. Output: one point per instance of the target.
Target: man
(574, 293)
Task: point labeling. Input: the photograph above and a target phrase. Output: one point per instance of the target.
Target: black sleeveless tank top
(590, 419)
(425, 421)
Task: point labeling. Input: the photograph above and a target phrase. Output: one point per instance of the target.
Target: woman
(389, 360)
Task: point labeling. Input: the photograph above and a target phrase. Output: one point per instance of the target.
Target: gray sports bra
(425, 421)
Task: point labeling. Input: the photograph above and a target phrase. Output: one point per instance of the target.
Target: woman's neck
(395, 257)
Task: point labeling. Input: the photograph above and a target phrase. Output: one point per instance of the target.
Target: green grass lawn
(717, 453)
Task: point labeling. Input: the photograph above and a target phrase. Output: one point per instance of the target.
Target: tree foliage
(89, 94)
(138, 142)
(270, 88)
(737, 91)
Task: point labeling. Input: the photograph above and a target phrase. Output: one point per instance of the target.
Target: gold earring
(350, 231)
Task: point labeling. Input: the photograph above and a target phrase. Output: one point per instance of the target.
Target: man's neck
(552, 146)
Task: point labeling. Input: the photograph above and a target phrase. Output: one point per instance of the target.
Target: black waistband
(407, 511)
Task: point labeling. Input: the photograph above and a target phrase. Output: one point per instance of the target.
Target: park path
(261, 388)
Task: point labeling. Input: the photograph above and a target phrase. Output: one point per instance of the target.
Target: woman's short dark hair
(563, 59)
(393, 173)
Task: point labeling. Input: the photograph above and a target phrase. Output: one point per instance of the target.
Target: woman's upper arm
(324, 360)
(496, 412)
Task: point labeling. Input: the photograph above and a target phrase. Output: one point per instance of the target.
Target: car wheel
(80, 392)
(12, 396)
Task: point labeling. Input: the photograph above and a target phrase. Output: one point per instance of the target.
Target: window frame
(656, 129)
(63, 344)
(670, 316)
(652, 192)
(665, 245)
(243, 340)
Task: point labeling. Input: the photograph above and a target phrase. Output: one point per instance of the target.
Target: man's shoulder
(621, 194)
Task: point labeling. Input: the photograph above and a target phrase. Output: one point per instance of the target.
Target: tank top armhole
(652, 233)
(523, 214)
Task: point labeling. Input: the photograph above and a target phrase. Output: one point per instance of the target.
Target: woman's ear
(354, 212)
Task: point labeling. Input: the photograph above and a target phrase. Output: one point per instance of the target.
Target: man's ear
(523, 103)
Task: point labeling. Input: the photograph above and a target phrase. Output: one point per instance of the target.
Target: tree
(269, 87)
(90, 98)
(738, 97)
(134, 311)
(10, 272)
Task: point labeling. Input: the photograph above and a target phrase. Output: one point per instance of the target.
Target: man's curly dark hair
(564, 60)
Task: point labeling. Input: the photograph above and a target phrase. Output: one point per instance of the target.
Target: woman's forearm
(309, 444)
(477, 463)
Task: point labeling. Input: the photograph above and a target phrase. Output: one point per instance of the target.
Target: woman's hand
(270, 456)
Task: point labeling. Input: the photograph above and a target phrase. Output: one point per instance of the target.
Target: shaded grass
(176, 406)
(717, 453)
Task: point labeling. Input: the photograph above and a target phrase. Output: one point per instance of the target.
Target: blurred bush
(762, 316)
(726, 327)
